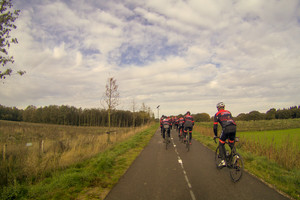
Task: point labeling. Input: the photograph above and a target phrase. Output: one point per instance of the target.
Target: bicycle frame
(234, 161)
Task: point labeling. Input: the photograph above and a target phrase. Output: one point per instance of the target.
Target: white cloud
(182, 55)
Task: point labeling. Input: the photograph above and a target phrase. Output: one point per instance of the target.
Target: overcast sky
(179, 54)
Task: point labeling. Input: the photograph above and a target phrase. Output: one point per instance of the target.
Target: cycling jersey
(188, 121)
(224, 118)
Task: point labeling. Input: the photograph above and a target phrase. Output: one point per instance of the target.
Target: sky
(184, 55)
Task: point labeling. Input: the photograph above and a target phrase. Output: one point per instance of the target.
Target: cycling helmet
(188, 112)
(220, 105)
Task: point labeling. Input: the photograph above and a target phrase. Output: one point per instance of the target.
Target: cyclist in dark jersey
(188, 124)
(166, 125)
(224, 117)
(180, 125)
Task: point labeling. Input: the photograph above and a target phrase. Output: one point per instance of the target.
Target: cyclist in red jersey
(166, 125)
(180, 125)
(188, 124)
(224, 117)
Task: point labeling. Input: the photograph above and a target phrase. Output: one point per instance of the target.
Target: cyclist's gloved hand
(215, 137)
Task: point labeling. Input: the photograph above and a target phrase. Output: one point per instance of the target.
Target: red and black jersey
(223, 117)
(188, 120)
(181, 121)
(167, 121)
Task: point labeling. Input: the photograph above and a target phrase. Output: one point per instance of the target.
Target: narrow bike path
(174, 174)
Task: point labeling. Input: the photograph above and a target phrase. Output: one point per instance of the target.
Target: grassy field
(89, 179)
(272, 155)
(281, 146)
(30, 152)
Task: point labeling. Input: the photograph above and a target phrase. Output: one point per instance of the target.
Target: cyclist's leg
(164, 130)
(222, 140)
(181, 131)
(231, 135)
(184, 130)
(169, 130)
(191, 129)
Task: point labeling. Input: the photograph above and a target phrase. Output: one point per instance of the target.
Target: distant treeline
(286, 113)
(70, 115)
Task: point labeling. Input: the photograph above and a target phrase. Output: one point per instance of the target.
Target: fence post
(41, 147)
(108, 137)
(4, 152)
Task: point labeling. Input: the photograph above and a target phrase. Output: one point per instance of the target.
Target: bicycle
(167, 140)
(187, 140)
(234, 161)
(181, 136)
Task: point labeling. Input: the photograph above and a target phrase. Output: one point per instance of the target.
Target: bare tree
(111, 97)
(133, 112)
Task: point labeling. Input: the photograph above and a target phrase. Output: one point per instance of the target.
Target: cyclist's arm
(215, 125)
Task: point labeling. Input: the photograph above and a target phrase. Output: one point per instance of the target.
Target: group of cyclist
(182, 124)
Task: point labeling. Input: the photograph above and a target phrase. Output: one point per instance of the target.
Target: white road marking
(184, 172)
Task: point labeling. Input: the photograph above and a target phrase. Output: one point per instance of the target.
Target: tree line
(70, 115)
(286, 113)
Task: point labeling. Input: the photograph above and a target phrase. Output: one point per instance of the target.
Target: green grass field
(276, 138)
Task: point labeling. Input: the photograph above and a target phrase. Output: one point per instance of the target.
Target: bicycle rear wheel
(236, 170)
(218, 157)
(167, 139)
(187, 140)
(181, 136)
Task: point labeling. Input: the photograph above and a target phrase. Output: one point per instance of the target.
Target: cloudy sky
(179, 54)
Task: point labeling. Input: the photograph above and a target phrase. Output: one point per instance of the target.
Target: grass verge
(284, 180)
(91, 179)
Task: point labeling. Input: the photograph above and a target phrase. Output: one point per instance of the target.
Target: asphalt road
(174, 174)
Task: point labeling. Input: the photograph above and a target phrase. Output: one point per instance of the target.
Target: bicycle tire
(236, 170)
(181, 136)
(187, 140)
(218, 158)
(166, 139)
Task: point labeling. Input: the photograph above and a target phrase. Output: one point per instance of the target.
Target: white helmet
(220, 105)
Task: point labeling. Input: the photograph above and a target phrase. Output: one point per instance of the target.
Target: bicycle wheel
(167, 139)
(181, 136)
(187, 140)
(218, 157)
(236, 170)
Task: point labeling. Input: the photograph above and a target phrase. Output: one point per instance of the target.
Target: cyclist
(224, 117)
(180, 125)
(188, 124)
(166, 124)
(161, 125)
(176, 122)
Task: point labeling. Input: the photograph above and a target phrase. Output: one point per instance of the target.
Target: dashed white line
(184, 172)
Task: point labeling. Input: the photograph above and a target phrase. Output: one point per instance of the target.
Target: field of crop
(29, 152)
